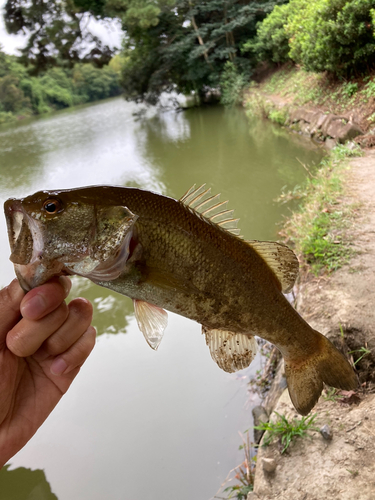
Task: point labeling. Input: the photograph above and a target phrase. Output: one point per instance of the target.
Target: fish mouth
(27, 246)
(25, 234)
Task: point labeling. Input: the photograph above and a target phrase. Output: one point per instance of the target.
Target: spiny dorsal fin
(210, 207)
(281, 259)
(231, 351)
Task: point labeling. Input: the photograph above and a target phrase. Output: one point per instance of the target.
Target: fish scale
(184, 256)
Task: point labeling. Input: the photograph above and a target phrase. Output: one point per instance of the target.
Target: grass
(244, 474)
(301, 88)
(320, 228)
(287, 431)
(363, 351)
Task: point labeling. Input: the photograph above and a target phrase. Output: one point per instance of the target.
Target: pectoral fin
(152, 321)
(231, 351)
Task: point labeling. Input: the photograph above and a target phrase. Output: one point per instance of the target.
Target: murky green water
(140, 425)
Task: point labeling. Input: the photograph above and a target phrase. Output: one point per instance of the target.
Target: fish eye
(52, 206)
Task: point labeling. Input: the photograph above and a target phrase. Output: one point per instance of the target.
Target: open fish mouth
(27, 246)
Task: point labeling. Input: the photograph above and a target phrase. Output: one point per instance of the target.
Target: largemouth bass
(185, 256)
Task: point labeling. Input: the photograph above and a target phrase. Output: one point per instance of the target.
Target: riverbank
(340, 305)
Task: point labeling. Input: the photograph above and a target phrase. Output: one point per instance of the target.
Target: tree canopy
(169, 44)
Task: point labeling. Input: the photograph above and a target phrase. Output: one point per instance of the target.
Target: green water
(138, 424)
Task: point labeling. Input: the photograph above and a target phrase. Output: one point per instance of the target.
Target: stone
(269, 464)
(326, 432)
(259, 415)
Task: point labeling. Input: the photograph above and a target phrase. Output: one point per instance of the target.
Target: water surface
(138, 424)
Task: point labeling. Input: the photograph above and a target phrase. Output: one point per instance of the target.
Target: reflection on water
(24, 484)
(138, 424)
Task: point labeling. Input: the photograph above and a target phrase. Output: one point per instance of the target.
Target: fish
(186, 256)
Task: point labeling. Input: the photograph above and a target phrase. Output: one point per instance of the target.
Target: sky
(109, 32)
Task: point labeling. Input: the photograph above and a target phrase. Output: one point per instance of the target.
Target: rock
(269, 464)
(278, 386)
(260, 415)
(330, 143)
(326, 432)
(348, 132)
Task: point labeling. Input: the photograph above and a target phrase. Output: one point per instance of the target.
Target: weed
(354, 473)
(369, 90)
(319, 229)
(342, 151)
(363, 350)
(349, 89)
(286, 430)
(243, 473)
(330, 394)
(279, 116)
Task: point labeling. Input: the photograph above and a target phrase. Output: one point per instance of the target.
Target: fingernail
(58, 366)
(34, 307)
(66, 283)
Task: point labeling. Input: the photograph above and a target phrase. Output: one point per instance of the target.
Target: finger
(27, 336)
(10, 300)
(77, 322)
(45, 298)
(76, 355)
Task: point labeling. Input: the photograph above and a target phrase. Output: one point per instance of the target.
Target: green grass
(287, 431)
(320, 228)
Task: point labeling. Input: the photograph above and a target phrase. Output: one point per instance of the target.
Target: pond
(138, 424)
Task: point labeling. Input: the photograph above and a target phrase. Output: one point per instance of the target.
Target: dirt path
(344, 467)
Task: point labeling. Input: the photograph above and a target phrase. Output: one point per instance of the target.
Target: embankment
(340, 304)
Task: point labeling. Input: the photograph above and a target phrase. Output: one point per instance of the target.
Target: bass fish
(186, 256)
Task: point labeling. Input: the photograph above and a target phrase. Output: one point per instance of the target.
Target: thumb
(10, 300)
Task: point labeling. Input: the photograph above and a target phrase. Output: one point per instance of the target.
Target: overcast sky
(109, 33)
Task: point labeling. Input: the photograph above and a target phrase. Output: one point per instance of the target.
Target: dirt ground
(342, 307)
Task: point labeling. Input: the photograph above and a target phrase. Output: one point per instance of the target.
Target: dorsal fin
(281, 259)
(210, 207)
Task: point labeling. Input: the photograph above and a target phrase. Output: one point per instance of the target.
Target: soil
(341, 306)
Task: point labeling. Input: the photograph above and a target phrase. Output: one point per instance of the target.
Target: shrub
(325, 35)
(271, 42)
(332, 35)
(232, 83)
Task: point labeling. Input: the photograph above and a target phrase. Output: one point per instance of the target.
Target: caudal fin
(305, 378)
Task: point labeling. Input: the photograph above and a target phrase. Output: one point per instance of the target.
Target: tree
(56, 32)
(188, 47)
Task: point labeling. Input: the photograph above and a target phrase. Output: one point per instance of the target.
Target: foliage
(285, 430)
(180, 45)
(319, 229)
(272, 41)
(189, 47)
(232, 84)
(56, 33)
(21, 93)
(326, 35)
(363, 351)
(279, 116)
(243, 473)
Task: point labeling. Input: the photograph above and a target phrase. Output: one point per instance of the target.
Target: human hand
(41, 353)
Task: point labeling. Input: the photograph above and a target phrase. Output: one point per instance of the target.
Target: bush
(232, 84)
(271, 42)
(325, 35)
(332, 35)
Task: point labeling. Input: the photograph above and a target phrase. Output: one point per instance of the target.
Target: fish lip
(13, 206)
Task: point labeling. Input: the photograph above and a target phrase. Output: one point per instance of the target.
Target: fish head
(52, 233)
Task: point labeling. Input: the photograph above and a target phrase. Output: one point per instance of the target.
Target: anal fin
(231, 351)
(152, 321)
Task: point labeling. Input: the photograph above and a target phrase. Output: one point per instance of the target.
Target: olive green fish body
(177, 255)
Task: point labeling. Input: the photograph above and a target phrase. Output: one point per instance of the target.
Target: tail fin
(305, 378)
